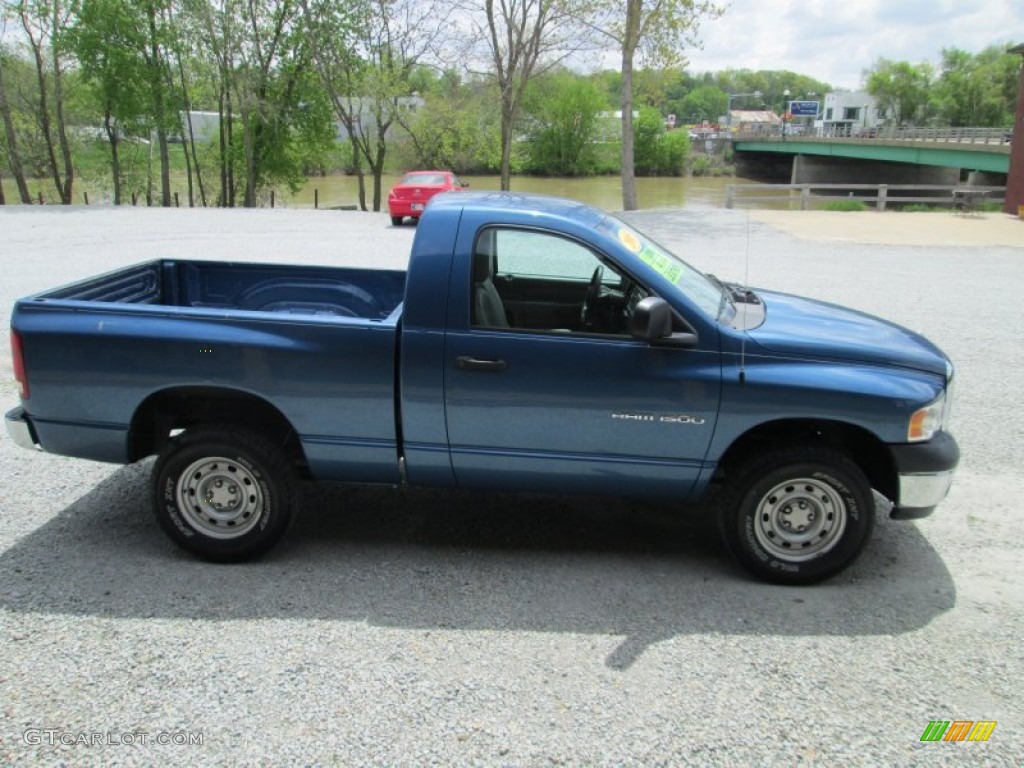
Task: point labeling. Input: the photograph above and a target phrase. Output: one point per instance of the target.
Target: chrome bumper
(20, 429)
(925, 472)
(924, 490)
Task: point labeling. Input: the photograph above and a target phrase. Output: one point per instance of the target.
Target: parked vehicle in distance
(535, 344)
(412, 192)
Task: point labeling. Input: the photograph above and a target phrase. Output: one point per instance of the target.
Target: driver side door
(546, 404)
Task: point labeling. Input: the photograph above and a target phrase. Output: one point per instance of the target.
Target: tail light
(19, 364)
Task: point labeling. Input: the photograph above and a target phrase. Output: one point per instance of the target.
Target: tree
(107, 40)
(772, 84)
(157, 73)
(11, 137)
(523, 38)
(218, 31)
(901, 88)
(657, 152)
(260, 56)
(45, 23)
(656, 31)
(977, 89)
(366, 54)
(457, 127)
(563, 109)
(179, 48)
(704, 103)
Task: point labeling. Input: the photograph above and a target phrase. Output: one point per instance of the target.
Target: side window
(538, 281)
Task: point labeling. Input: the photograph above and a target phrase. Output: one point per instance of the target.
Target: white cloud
(836, 41)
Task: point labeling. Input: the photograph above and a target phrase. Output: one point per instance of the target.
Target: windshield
(694, 284)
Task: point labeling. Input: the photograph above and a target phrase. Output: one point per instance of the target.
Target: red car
(410, 195)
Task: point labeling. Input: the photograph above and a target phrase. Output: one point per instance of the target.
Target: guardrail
(960, 197)
(947, 135)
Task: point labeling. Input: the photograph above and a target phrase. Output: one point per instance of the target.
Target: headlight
(925, 422)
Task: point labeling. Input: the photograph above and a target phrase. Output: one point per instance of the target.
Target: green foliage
(771, 84)
(708, 102)
(970, 89)
(673, 153)
(902, 89)
(710, 165)
(854, 206)
(656, 152)
(562, 111)
(647, 130)
(977, 89)
(457, 129)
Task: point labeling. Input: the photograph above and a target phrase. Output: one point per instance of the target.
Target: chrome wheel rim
(220, 498)
(800, 519)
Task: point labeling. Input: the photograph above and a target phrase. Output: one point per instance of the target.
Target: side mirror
(652, 319)
(652, 322)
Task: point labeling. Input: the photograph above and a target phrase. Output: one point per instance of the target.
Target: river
(602, 191)
(340, 190)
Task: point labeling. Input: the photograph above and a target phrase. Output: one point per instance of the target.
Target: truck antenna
(743, 309)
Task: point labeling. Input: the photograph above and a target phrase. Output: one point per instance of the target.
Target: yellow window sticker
(631, 241)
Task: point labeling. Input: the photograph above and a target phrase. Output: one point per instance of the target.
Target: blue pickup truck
(534, 344)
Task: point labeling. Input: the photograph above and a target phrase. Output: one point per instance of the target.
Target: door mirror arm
(652, 322)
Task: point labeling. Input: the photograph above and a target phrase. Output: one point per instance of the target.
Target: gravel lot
(407, 627)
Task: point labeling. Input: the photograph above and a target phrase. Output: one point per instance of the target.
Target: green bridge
(974, 149)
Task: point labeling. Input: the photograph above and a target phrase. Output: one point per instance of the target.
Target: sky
(836, 40)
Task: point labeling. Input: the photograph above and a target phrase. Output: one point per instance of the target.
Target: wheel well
(184, 407)
(869, 453)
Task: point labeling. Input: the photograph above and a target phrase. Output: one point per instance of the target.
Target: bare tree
(44, 23)
(258, 55)
(657, 30)
(157, 72)
(179, 47)
(365, 53)
(10, 134)
(219, 31)
(522, 39)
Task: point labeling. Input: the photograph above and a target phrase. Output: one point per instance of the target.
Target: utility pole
(1015, 178)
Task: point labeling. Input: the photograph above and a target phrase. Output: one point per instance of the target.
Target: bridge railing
(954, 135)
(806, 196)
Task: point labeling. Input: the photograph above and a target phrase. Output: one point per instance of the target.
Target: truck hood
(803, 327)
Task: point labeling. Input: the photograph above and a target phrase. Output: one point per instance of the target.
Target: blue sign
(803, 108)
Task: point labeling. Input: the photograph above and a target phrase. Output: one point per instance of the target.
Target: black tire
(797, 515)
(396, 221)
(224, 493)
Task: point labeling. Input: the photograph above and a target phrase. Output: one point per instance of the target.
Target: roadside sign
(803, 108)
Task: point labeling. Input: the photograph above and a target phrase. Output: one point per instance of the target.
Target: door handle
(469, 363)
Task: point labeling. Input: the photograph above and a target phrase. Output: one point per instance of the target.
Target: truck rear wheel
(396, 221)
(224, 494)
(797, 515)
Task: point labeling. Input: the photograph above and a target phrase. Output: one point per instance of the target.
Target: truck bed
(315, 344)
(298, 290)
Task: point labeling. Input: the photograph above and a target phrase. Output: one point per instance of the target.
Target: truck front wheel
(224, 494)
(797, 515)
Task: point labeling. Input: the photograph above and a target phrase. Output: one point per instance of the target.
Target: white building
(849, 113)
(206, 125)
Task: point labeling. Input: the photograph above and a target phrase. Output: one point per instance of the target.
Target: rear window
(424, 179)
